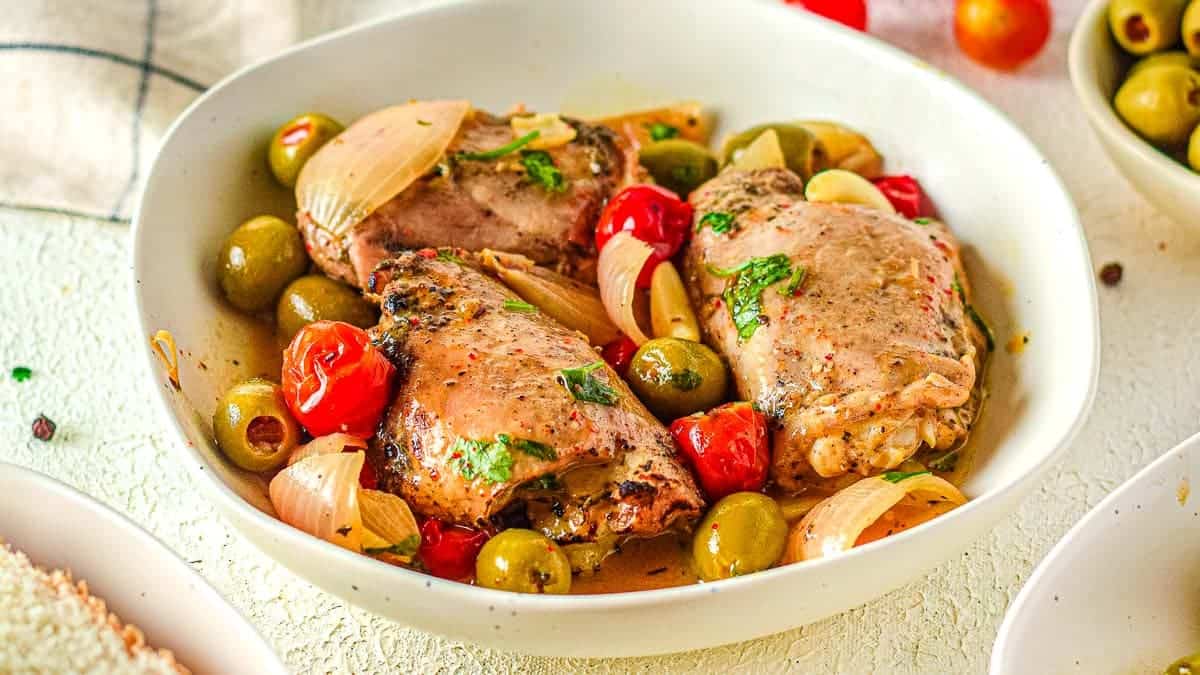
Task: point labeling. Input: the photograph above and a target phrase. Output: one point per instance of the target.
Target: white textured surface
(65, 314)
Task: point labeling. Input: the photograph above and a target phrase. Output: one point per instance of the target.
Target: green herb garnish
(662, 132)
(406, 547)
(897, 476)
(519, 306)
(922, 221)
(531, 448)
(22, 373)
(425, 123)
(957, 286)
(541, 170)
(797, 280)
(447, 256)
(744, 295)
(983, 328)
(480, 459)
(685, 380)
(545, 482)
(946, 462)
(585, 386)
(500, 151)
(718, 221)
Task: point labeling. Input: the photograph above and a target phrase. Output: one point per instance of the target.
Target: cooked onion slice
(374, 160)
(390, 527)
(834, 525)
(319, 495)
(671, 313)
(325, 445)
(576, 306)
(620, 263)
(552, 130)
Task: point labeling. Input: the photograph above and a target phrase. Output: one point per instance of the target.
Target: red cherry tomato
(654, 215)
(905, 193)
(852, 13)
(449, 551)
(727, 447)
(619, 353)
(1002, 34)
(334, 379)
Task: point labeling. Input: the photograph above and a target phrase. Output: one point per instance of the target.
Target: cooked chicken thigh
(485, 422)
(872, 352)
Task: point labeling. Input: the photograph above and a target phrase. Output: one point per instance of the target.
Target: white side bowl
(140, 579)
(1121, 592)
(1097, 65)
(753, 62)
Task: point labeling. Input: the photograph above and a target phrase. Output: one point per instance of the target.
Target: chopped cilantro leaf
(447, 256)
(425, 123)
(519, 306)
(405, 547)
(531, 448)
(718, 221)
(946, 462)
(22, 373)
(685, 380)
(662, 132)
(480, 459)
(500, 151)
(547, 482)
(585, 386)
(958, 288)
(897, 476)
(541, 170)
(922, 221)
(743, 295)
(797, 280)
(988, 336)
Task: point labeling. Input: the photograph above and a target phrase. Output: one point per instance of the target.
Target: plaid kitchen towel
(88, 89)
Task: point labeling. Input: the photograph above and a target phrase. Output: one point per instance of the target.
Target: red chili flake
(716, 302)
(427, 253)
(471, 355)
(1111, 274)
(43, 428)
(829, 357)
(518, 350)
(457, 455)
(942, 246)
(716, 526)
(931, 279)
(878, 407)
(948, 291)
(574, 414)
(414, 321)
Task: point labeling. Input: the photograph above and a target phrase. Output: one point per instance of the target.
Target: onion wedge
(325, 445)
(764, 153)
(620, 263)
(576, 306)
(375, 159)
(834, 525)
(390, 527)
(319, 495)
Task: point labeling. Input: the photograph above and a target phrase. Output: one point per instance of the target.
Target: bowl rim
(234, 504)
(102, 512)
(1098, 109)
(1017, 609)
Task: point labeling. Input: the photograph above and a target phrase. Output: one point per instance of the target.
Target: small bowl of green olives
(1135, 65)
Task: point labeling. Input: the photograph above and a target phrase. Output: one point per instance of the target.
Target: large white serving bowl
(1120, 593)
(1097, 67)
(752, 62)
(140, 579)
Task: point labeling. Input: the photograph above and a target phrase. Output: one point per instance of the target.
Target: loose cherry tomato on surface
(905, 193)
(449, 551)
(334, 379)
(1002, 34)
(727, 448)
(654, 215)
(852, 13)
(619, 353)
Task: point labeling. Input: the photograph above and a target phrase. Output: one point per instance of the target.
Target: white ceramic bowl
(1097, 66)
(140, 579)
(1121, 592)
(753, 62)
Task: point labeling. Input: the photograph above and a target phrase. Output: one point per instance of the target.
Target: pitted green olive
(675, 377)
(296, 141)
(253, 426)
(523, 561)
(678, 165)
(743, 533)
(258, 259)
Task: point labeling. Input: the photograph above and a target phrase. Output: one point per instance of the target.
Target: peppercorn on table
(72, 376)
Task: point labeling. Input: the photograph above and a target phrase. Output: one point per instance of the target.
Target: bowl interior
(1121, 592)
(1026, 254)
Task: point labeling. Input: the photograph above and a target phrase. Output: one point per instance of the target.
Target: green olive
(297, 140)
(801, 150)
(523, 561)
(1145, 26)
(1171, 58)
(253, 426)
(1190, 28)
(743, 533)
(319, 298)
(678, 165)
(1188, 665)
(1162, 104)
(1193, 150)
(263, 255)
(676, 377)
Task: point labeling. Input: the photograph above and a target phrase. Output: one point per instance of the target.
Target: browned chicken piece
(483, 425)
(478, 204)
(870, 356)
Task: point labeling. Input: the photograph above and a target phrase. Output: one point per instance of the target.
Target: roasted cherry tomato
(619, 353)
(654, 215)
(726, 447)
(905, 193)
(1002, 34)
(852, 13)
(449, 551)
(334, 379)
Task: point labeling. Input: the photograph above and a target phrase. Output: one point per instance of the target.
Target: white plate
(140, 579)
(753, 62)
(1120, 593)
